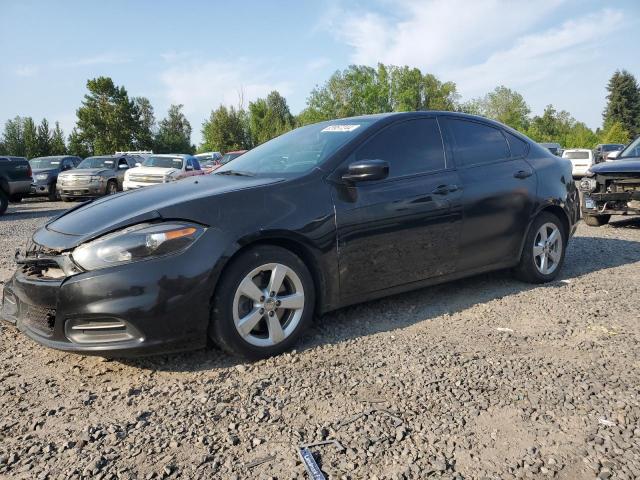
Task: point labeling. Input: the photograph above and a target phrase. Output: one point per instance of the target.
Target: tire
(53, 195)
(531, 268)
(16, 198)
(262, 340)
(112, 187)
(4, 202)
(596, 220)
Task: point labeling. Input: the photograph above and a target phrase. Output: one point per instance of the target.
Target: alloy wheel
(547, 248)
(268, 305)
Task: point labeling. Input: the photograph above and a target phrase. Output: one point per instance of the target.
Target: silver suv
(95, 177)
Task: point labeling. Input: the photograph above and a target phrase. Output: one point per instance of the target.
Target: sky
(206, 53)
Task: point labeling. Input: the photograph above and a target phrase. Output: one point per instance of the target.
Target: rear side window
(410, 147)
(475, 143)
(196, 164)
(519, 148)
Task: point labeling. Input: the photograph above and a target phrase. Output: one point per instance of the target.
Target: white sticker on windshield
(340, 128)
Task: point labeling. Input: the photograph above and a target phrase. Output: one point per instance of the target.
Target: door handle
(444, 189)
(522, 174)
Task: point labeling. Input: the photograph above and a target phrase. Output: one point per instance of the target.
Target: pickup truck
(15, 180)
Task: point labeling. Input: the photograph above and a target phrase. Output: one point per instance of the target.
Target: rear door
(499, 190)
(404, 228)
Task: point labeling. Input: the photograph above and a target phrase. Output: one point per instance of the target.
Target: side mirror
(366, 170)
(613, 155)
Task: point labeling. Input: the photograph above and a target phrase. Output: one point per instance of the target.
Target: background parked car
(95, 176)
(46, 171)
(554, 148)
(209, 161)
(15, 179)
(157, 169)
(602, 150)
(227, 157)
(581, 159)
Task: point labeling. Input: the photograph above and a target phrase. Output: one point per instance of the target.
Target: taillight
(29, 171)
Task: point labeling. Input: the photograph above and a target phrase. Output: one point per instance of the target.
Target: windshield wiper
(236, 173)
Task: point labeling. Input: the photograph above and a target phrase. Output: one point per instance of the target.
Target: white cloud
(26, 70)
(539, 57)
(203, 86)
(437, 32)
(318, 63)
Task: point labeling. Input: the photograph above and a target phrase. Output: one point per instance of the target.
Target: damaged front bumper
(127, 310)
(611, 195)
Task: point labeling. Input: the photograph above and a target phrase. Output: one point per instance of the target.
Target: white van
(581, 159)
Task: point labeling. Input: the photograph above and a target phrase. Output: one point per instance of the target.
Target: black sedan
(324, 216)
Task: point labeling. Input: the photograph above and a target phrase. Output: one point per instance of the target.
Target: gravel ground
(481, 378)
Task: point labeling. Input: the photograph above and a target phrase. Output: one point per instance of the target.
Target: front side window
(410, 147)
(475, 143)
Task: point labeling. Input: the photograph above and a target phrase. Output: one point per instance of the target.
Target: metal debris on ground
(258, 461)
(606, 423)
(504, 329)
(310, 464)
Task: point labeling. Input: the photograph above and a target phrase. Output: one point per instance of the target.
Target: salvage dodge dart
(327, 215)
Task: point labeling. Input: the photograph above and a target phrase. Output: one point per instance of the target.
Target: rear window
(519, 148)
(576, 155)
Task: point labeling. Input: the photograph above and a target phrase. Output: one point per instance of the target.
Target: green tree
(107, 120)
(269, 118)
(148, 128)
(13, 137)
(174, 134)
(503, 105)
(30, 135)
(58, 146)
(225, 130)
(615, 132)
(623, 102)
(361, 89)
(43, 139)
(78, 145)
(580, 136)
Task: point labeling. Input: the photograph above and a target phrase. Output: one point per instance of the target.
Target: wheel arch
(556, 210)
(295, 245)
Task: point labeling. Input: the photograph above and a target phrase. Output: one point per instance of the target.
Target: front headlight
(42, 176)
(95, 179)
(136, 243)
(588, 184)
(168, 178)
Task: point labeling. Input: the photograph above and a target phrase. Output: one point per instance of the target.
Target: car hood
(153, 170)
(88, 171)
(48, 171)
(618, 166)
(175, 200)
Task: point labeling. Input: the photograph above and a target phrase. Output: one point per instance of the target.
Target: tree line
(109, 120)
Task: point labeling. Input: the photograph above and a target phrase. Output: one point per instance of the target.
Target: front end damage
(611, 194)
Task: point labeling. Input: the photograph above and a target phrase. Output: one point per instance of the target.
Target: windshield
(576, 155)
(633, 150)
(612, 148)
(164, 162)
(98, 162)
(45, 162)
(298, 151)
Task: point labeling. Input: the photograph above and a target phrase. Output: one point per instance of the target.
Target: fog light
(101, 330)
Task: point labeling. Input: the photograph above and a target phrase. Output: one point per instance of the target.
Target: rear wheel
(4, 202)
(544, 249)
(264, 301)
(596, 220)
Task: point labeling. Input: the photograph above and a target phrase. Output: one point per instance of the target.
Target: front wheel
(4, 202)
(544, 249)
(263, 303)
(112, 188)
(596, 220)
(53, 193)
